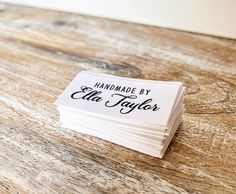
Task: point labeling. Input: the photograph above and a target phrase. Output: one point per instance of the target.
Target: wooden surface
(41, 52)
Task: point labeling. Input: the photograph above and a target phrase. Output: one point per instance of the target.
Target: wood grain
(41, 52)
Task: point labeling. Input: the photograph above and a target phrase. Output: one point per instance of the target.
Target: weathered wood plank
(41, 51)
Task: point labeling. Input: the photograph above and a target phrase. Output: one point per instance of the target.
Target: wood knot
(118, 69)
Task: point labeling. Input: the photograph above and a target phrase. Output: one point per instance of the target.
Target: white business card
(142, 115)
(131, 100)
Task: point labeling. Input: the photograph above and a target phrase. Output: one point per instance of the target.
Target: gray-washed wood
(41, 52)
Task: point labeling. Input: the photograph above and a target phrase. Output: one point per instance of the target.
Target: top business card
(119, 98)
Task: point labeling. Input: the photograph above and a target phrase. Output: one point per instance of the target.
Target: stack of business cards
(142, 115)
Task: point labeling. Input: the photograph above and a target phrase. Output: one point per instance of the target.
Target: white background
(216, 17)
